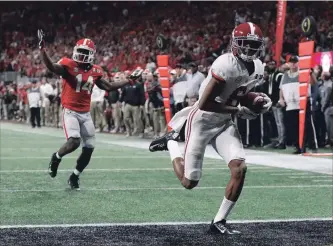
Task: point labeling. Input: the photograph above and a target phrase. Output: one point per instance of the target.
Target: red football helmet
(84, 51)
(247, 41)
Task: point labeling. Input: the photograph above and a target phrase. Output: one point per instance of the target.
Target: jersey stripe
(64, 123)
(189, 128)
(216, 76)
(251, 28)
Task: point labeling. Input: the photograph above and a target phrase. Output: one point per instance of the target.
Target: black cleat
(297, 151)
(53, 166)
(73, 182)
(221, 228)
(161, 143)
(280, 146)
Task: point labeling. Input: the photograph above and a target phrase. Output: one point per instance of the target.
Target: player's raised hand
(246, 114)
(41, 42)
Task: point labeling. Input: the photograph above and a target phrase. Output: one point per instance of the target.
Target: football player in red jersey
(79, 75)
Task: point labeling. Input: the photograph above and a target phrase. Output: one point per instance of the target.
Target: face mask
(327, 77)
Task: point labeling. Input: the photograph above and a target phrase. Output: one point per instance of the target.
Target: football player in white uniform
(210, 120)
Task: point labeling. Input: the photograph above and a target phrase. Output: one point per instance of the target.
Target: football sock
(84, 159)
(224, 210)
(174, 149)
(76, 172)
(58, 156)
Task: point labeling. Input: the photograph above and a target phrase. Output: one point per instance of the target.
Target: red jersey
(77, 85)
(23, 96)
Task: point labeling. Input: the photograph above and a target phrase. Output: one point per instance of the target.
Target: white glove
(136, 74)
(267, 105)
(246, 114)
(41, 42)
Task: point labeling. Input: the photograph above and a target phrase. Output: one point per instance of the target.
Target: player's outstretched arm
(53, 67)
(207, 101)
(105, 85)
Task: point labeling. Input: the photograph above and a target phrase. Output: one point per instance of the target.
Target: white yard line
(75, 157)
(276, 170)
(174, 223)
(323, 180)
(310, 176)
(206, 162)
(293, 174)
(173, 188)
(105, 170)
(120, 169)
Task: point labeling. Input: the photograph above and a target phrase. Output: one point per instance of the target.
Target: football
(309, 26)
(253, 101)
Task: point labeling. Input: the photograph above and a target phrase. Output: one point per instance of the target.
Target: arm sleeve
(64, 62)
(216, 75)
(223, 69)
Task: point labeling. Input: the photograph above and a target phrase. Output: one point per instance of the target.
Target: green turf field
(125, 184)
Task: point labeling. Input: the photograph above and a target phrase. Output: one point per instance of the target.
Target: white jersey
(229, 68)
(205, 127)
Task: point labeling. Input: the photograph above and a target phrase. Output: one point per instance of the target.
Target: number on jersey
(87, 86)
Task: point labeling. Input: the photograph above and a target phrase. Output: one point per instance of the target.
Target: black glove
(41, 42)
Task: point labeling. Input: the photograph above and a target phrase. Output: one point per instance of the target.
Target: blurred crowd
(138, 109)
(125, 32)
(125, 35)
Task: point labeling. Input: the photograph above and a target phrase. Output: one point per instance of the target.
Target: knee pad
(89, 142)
(193, 174)
(193, 164)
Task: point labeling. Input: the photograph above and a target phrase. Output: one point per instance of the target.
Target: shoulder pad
(66, 62)
(224, 67)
